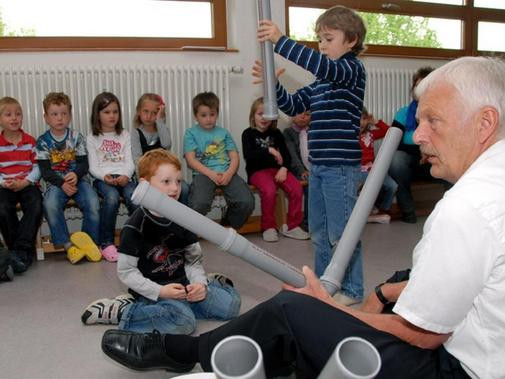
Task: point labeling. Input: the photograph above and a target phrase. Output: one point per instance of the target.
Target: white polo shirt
(457, 282)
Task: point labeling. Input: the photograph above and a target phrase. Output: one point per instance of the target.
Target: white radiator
(176, 84)
(387, 90)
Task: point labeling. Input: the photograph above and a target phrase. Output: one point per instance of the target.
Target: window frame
(468, 14)
(217, 42)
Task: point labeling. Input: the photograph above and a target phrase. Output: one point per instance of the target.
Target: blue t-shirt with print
(211, 146)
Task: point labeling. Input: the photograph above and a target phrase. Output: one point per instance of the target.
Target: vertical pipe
(270, 111)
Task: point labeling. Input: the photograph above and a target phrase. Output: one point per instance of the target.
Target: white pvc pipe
(353, 358)
(334, 273)
(226, 238)
(270, 111)
(237, 357)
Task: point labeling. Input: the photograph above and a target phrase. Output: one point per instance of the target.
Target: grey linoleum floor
(41, 335)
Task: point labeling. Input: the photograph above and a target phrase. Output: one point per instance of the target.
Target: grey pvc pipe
(353, 358)
(334, 273)
(237, 357)
(270, 111)
(226, 238)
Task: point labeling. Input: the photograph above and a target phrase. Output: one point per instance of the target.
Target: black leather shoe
(17, 263)
(140, 351)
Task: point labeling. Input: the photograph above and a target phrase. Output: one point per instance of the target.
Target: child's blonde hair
(147, 97)
(4, 101)
(57, 98)
(254, 107)
(346, 20)
(150, 161)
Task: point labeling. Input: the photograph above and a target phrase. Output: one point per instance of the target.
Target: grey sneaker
(379, 218)
(296, 233)
(106, 311)
(340, 298)
(270, 235)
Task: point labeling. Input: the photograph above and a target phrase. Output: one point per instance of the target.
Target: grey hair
(480, 81)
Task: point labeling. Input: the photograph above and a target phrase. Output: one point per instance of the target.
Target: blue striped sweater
(335, 100)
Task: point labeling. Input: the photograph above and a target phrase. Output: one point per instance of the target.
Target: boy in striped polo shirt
(19, 174)
(335, 100)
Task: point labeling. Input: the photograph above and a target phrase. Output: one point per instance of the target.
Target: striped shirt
(18, 161)
(335, 100)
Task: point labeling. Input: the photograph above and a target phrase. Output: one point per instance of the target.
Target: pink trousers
(264, 181)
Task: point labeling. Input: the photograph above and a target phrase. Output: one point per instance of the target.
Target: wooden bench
(426, 194)
(253, 224)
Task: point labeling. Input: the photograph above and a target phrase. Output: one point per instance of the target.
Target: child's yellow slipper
(84, 242)
(74, 254)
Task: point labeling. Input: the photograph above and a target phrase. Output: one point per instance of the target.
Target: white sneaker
(381, 218)
(270, 235)
(106, 311)
(296, 233)
(340, 298)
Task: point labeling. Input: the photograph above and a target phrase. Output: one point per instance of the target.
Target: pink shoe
(110, 253)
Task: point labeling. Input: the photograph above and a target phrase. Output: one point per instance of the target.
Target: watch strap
(380, 295)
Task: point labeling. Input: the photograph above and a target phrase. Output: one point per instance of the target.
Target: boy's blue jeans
(179, 316)
(54, 211)
(110, 196)
(332, 195)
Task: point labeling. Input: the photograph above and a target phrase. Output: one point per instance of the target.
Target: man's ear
(489, 123)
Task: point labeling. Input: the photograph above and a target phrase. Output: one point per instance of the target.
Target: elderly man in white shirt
(449, 317)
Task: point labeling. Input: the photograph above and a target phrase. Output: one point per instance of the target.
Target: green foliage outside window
(386, 29)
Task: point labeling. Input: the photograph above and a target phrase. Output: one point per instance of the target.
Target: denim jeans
(387, 191)
(110, 196)
(20, 234)
(332, 195)
(54, 211)
(179, 316)
(238, 196)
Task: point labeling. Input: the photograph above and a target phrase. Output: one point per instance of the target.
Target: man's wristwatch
(380, 295)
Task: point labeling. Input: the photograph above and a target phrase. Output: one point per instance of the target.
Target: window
(112, 24)
(415, 28)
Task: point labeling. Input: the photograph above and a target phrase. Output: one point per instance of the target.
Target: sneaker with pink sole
(110, 253)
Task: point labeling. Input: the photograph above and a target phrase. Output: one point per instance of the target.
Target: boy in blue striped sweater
(335, 100)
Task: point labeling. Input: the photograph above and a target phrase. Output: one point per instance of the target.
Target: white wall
(241, 36)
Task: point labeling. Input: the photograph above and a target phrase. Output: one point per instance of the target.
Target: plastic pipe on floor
(237, 357)
(353, 358)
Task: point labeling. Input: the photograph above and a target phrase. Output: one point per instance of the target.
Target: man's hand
(71, 178)
(281, 175)
(268, 31)
(372, 304)
(305, 175)
(196, 292)
(313, 287)
(69, 189)
(173, 291)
